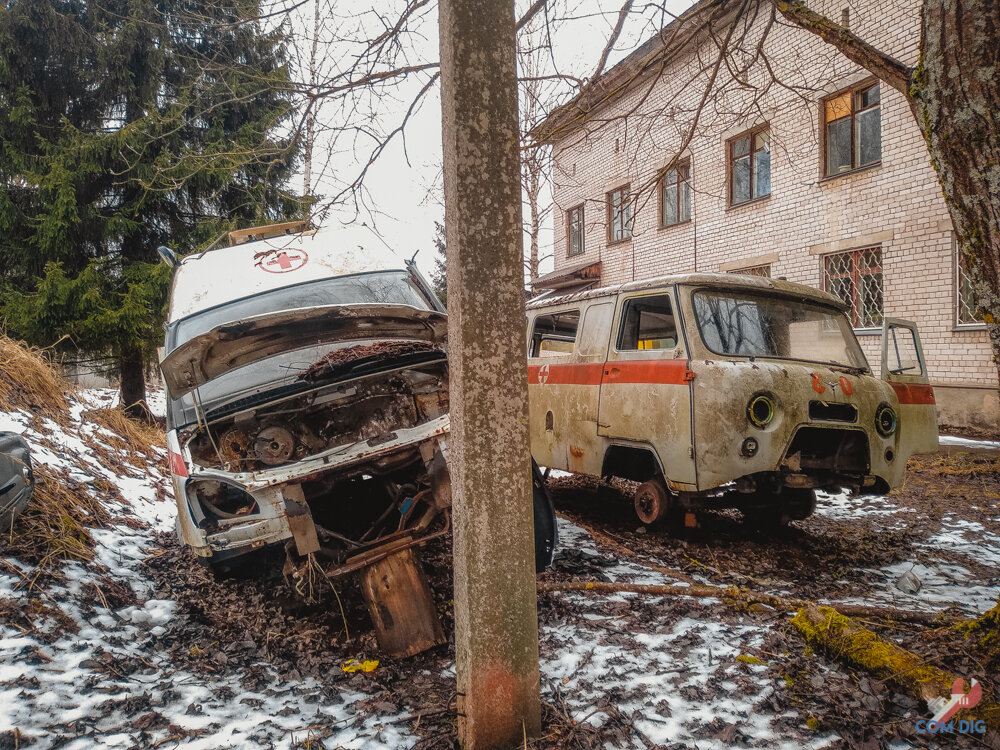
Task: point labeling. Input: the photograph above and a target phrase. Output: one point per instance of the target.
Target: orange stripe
(668, 372)
(919, 394)
(565, 374)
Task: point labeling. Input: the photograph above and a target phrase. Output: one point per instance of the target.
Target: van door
(645, 388)
(905, 369)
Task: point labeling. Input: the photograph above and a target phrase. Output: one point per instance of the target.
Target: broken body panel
(722, 391)
(308, 399)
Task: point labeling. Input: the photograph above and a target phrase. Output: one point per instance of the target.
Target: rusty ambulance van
(723, 391)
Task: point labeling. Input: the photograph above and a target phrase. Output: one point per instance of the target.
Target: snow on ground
(967, 442)
(676, 675)
(64, 692)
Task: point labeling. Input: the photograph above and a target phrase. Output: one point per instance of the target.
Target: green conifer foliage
(124, 125)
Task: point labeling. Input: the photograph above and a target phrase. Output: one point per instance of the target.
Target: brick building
(798, 164)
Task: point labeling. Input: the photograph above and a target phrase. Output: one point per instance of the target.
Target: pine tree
(439, 276)
(126, 125)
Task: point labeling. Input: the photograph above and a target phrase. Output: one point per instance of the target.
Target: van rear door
(905, 369)
(645, 388)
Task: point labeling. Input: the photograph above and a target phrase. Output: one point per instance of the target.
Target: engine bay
(335, 415)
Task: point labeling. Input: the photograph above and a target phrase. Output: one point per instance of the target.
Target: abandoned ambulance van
(307, 389)
(723, 391)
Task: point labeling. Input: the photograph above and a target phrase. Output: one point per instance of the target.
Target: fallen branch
(732, 594)
(857, 646)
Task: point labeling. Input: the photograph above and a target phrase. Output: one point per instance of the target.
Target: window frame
(546, 312)
(763, 270)
(752, 133)
(824, 157)
(621, 315)
(959, 272)
(661, 184)
(569, 231)
(625, 191)
(855, 276)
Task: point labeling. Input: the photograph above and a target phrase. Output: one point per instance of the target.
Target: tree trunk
(955, 92)
(496, 620)
(133, 384)
(535, 222)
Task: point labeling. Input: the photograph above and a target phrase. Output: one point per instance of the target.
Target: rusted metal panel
(400, 602)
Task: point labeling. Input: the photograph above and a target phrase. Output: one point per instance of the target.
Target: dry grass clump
(132, 438)
(55, 526)
(28, 380)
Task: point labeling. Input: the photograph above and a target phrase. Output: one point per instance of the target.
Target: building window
(764, 271)
(619, 215)
(675, 195)
(852, 129)
(574, 226)
(856, 277)
(968, 312)
(750, 166)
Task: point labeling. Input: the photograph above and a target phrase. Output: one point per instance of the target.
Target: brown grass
(28, 380)
(56, 525)
(133, 439)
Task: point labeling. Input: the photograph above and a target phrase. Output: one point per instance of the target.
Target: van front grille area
(824, 412)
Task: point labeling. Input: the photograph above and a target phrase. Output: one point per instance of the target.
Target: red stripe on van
(668, 372)
(565, 374)
(909, 393)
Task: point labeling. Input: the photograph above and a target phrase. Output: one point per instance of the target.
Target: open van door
(905, 369)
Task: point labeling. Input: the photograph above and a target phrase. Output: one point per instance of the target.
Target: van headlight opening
(885, 420)
(760, 410)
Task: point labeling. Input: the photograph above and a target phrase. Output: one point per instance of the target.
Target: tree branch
(529, 14)
(850, 45)
(622, 15)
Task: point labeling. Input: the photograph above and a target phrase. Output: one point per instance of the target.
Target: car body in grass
(307, 384)
(17, 480)
(721, 390)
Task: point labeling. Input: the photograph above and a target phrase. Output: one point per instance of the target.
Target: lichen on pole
(496, 624)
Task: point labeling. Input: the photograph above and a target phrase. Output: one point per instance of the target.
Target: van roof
(718, 280)
(209, 279)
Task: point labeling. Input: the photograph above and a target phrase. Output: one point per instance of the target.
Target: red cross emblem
(283, 261)
(543, 374)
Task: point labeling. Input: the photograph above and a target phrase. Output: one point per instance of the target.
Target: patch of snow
(967, 442)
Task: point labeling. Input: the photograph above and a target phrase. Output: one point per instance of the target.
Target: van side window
(647, 323)
(555, 335)
(596, 329)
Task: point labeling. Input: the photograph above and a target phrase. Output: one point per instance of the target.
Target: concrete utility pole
(496, 621)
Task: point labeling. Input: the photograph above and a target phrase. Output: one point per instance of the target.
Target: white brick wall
(632, 138)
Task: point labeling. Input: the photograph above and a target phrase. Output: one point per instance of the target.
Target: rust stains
(342, 360)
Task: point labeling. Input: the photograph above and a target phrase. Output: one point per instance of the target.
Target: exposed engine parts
(327, 417)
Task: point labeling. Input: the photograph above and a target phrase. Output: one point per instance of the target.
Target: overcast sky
(403, 190)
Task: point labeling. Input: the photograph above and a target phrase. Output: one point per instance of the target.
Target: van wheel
(652, 501)
(800, 503)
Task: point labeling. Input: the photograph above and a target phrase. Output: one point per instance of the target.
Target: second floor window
(750, 166)
(675, 196)
(619, 215)
(856, 277)
(574, 228)
(852, 129)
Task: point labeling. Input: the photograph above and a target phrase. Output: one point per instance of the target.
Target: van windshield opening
(742, 324)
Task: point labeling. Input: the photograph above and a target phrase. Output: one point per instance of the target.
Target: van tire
(652, 501)
(799, 503)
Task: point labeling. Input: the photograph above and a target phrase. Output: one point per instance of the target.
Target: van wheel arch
(638, 463)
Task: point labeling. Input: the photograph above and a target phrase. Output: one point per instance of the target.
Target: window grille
(856, 277)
